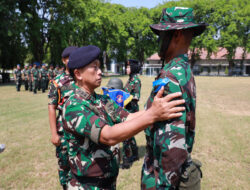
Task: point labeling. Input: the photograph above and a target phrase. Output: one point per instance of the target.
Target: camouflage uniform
(51, 74)
(170, 142)
(25, 75)
(35, 73)
(39, 79)
(93, 165)
(133, 87)
(43, 79)
(18, 74)
(30, 80)
(56, 72)
(59, 90)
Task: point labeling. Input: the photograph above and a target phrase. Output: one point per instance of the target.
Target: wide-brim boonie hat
(178, 18)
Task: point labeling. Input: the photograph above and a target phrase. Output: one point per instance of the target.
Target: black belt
(105, 183)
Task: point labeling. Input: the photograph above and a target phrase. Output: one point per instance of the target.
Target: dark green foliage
(38, 30)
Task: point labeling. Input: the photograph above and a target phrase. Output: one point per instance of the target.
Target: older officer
(93, 123)
(170, 142)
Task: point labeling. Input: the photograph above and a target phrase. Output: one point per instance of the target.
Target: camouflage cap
(178, 18)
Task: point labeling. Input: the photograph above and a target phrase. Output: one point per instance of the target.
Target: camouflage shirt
(18, 74)
(25, 73)
(35, 73)
(84, 116)
(170, 142)
(56, 72)
(133, 87)
(59, 90)
(29, 74)
(44, 73)
(51, 73)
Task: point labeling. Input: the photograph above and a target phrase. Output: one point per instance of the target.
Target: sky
(138, 3)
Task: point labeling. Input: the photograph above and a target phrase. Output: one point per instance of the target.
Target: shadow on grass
(8, 84)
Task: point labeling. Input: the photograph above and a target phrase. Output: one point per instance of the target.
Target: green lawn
(222, 138)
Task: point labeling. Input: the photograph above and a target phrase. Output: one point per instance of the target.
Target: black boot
(126, 164)
(135, 155)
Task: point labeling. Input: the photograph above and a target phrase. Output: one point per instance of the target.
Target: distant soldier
(35, 77)
(133, 87)
(43, 77)
(39, 78)
(25, 73)
(30, 78)
(47, 76)
(56, 71)
(18, 77)
(51, 72)
(61, 70)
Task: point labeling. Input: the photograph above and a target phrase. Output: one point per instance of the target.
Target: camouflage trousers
(18, 84)
(63, 164)
(130, 149)
(43, 84)
(35, 86)
(147, 174)
(163, 162)
(73, 184)
(26, 84)
(30, 85)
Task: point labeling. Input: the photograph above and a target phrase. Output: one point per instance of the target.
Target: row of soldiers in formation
(35, 78)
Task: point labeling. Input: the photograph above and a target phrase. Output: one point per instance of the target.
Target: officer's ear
(77, 74)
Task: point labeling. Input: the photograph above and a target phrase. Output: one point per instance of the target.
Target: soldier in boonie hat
(170, 143)
(172, 20)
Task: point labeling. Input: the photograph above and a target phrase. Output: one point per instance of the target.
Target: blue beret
(18, 65)
(83, 56)
(68, 50)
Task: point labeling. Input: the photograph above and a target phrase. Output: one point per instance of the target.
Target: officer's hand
(165, 107)
(55, 139)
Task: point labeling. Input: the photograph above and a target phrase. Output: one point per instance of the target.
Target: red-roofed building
(216, 65)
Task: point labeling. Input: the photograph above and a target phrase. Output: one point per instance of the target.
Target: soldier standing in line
(60, 88)
(51, 73)
(30, 78)
(168, 164)
(133, 87)
(43, 77)
(25, 77)
(39, 78)
(93, 123)
(56, 71)
(61, 70)
(34, 77)
(47, 76)
(18, 77)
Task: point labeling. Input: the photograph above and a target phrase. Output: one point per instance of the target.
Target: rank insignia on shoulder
(159, 83)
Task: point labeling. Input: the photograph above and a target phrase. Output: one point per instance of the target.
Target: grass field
(222, 138)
